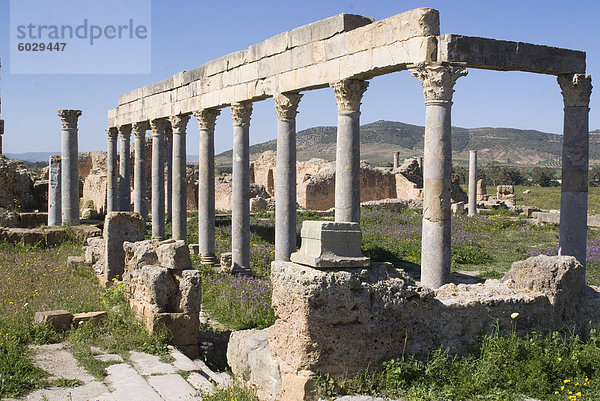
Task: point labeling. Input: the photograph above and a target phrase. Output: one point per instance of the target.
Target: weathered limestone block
(55, 235)
(79, 318)
(59, 320)
(174, 255)
(94, 254)
(506, 193)
(139, 254)
(83, 232)
(94, 189)
(481, 190)
(16, 186)
(327, 244)
(184, 328)
(249, 356)
(32, 220)
(118, 228)
(23, 236)
(258, 204)
(189, 297)
(226, 261)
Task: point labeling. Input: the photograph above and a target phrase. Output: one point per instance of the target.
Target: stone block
(83, 232)
(194, 249)
(157, 286)
(75, 262)
(226, 261)
(79, 318)
(118, 228)
(55, 235)
(174, 255)
(330, 245)
(32, 220)
(458, 208)
(24, 236)
(59, 320)
(189, 296)
(184, 329)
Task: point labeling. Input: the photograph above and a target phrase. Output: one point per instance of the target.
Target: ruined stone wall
(16, 186)
(94, 189)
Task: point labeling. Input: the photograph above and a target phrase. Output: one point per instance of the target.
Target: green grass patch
(237, 392)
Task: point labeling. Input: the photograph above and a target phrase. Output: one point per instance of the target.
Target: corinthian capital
(241, 113)
(68, 118)
(286, 105)
(348, 94)
(112, 133)
(207, 118)
(158, 126)
(140, 128)
(124, 130)
(576, 89)
(438, 79)
(179, 123)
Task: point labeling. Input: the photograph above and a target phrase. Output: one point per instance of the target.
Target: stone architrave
(438, 86)
(240, 205)
(348, 94)
(54, 192)
(158, 178)
(124, 168)
(576, 91)
(286, 105)
(118, 228)
(168, 170)
(206, 185)
(472, 183)
(179, 219)
(69, 168)
(111, 170)
(139, 179)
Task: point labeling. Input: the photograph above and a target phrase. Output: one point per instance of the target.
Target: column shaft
(54, 192)
(206, 185)
(240, 207)
(285, 180)
(124, 168)
(576, 89)
(69, 170)
(158, 179)
(111, 171)
(179, 219)
(139, 178)
(472, 183)
(169, 170)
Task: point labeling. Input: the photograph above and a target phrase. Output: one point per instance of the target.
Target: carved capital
(286, 105)
(438, 80)
(125, 130)
(140, 128)
(68, 118)
(241, 113)
(112, 133)
(158, 126)
(576, 89)
(348, 94)
(207, 118)
(179, 123)
(168, 130)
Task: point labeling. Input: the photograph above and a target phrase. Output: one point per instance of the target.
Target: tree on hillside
(543, 177)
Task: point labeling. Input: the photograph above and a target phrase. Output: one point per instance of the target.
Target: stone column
(54, 192)
(158, 178)
(139, 172)
(576, 90)
(286, 105)
(1, 133)
(348, 94)
(124, 168)
(472, 183)
(69, 170)
(206, 185)
(438, 86)
(169, 170)
(179, 219)
(396, 160)
(112, 198)
(240, 206)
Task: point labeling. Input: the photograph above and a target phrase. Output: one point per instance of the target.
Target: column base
(241, 271)
(209, 260)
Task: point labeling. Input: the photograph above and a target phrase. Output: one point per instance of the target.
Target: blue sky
(186, 34)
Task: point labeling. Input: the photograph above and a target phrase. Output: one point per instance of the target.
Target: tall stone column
(206, 185)
(286, 105)
(179, 220)
(348, 94)
(69, 170)
(1, 133)
(576, 91)
(124, 168)
(438, 86)
(54, 192)
(240, 206)
(139, 172)
(112, 198)
(472, 183)
(169, 170)
(158, 178)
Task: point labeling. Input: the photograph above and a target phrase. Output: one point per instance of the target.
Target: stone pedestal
(118, 228)
(206, 185)
(158, 178)
(179, 124)
(576, 90)
(124, 168)
(438, 82)
(111, 171)
(472, 183)
(240, 207)
(54, 192)
(69, 168)
(327, 244)
(348, 94)
(285, 185)
(139, 179)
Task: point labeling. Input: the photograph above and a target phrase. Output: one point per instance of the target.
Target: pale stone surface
(147, 364)
(54, 192)
(16, 187)
(174, 255)
(506, 194)
(128, 385)
(59, 320)
(118, 228)
(472, 207)
(173, 387)
(69, 168)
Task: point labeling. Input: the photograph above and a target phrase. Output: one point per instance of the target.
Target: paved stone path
(143, 377)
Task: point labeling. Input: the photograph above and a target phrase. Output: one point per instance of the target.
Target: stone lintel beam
(506, 55)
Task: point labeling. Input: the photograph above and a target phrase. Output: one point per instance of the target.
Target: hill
(381, 138)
